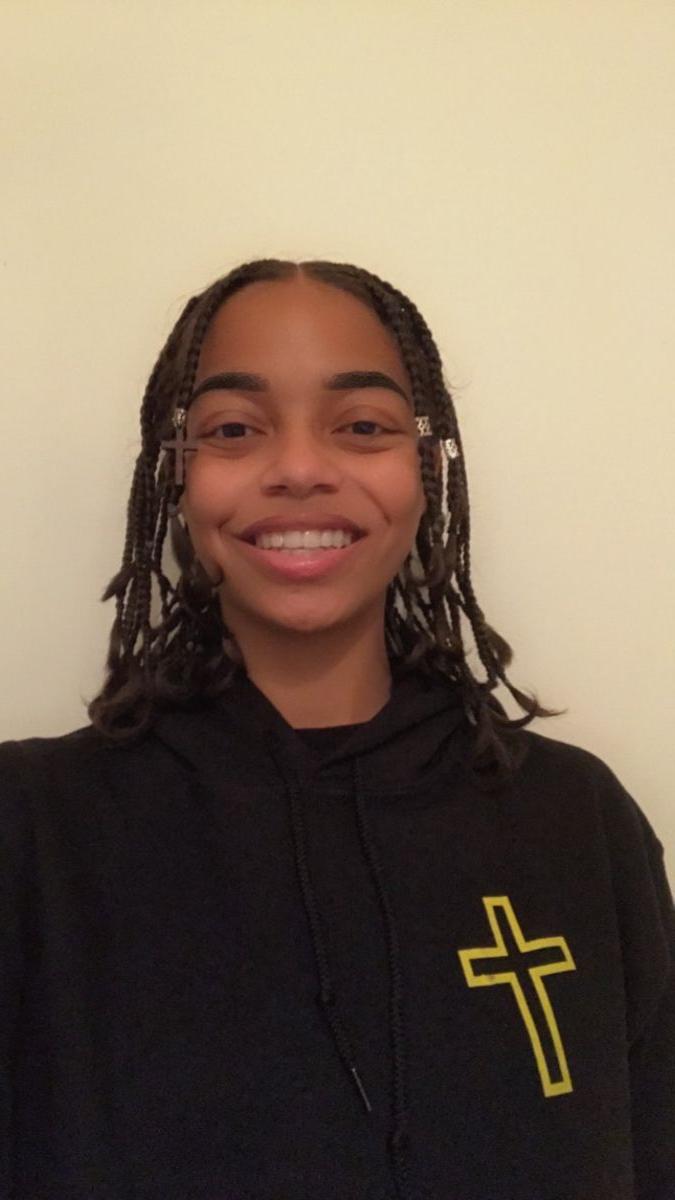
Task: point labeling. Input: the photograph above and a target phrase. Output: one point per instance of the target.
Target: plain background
(509, 164)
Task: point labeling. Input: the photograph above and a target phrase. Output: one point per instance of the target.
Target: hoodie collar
(422, 722)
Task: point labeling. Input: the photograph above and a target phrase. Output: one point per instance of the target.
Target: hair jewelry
(424, 430)
(180, 444)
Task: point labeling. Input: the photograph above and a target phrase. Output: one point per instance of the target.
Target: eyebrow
(245, 382)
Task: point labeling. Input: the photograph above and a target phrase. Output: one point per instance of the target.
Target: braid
(183, 657)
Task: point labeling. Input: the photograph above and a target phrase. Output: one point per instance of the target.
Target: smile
(301, 562)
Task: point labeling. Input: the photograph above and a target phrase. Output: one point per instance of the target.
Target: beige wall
(508, 163)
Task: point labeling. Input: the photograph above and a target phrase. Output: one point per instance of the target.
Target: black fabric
(323, 740)
(240, 960)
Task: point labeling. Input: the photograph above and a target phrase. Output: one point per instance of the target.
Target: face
(300, 451)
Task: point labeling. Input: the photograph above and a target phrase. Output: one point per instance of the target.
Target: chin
(305, 624)
(293, 616)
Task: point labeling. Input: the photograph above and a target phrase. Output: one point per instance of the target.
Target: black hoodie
(237, 966)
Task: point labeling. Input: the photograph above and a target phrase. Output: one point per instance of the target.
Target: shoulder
(71, 795)
(23, 759)
(32, 772)
(575, 786)
(565, 769)
(551, 756)
(80, 762)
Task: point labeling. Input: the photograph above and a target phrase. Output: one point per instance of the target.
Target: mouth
(302, 563)
(250, 539)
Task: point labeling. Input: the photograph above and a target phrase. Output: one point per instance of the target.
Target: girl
(302, 914)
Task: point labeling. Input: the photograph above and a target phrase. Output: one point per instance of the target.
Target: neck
(316, 680)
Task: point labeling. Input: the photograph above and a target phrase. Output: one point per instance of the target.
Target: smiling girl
(302, 913)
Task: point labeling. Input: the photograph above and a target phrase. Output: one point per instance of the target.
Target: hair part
(188, 654)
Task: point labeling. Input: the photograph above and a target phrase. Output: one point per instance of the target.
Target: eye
(216, 431)
(352, 424)
(233, 431)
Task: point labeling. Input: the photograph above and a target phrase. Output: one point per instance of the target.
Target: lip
(302, 521)
(309, 564)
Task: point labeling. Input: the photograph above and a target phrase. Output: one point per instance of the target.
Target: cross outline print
(550, 1087)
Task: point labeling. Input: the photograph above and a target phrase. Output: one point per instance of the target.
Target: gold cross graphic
(539, 1019)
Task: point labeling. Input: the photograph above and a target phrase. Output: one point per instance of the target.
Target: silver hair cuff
(424, 430)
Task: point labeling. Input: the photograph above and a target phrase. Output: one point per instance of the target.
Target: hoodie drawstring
(398, 1138)
(326, 997)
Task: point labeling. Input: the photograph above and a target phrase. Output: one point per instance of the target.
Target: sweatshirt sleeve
(646, 919)
(652, 1065)
(16, 852)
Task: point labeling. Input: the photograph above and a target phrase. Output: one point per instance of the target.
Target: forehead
(298, 325)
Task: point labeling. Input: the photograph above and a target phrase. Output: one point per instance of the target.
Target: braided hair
(186, 654)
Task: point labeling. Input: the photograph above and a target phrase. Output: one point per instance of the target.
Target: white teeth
(310, 539)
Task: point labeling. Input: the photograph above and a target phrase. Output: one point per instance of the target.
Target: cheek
(208, 502)
(209, 494)
(408, 499)
(394, 483)
(403, 509)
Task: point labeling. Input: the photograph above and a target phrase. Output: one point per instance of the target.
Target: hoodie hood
(422, 728)
(423, 719)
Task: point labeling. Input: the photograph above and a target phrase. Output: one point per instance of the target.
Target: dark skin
(315, 648)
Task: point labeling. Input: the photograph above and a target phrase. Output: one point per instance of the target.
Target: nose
(300, 463)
